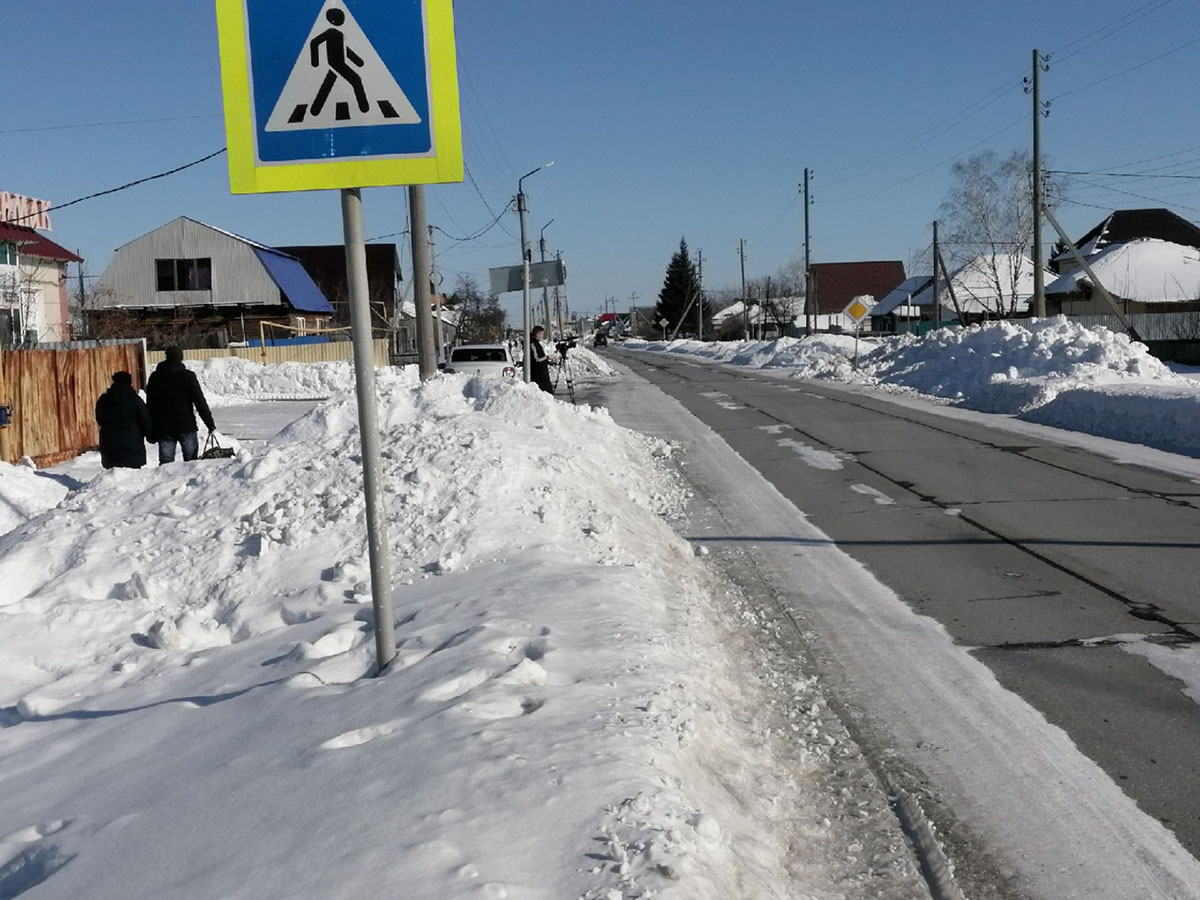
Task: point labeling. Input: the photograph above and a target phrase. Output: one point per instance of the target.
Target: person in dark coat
(174, 397)
(124, 425)
(539, 361)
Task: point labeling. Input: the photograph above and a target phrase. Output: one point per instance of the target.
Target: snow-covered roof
(729, 312)
(900, 294)
(1147, 271)
(449, 316)
(975, 283)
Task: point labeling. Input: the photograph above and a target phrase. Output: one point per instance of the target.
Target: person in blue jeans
(174, 397)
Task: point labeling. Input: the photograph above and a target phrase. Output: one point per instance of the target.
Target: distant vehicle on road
(601, 339)
(482, 359)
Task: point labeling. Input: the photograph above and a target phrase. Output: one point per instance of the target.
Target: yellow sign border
(248, 177)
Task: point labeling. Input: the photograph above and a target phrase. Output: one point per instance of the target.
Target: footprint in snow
(35, 861)
(359, 736)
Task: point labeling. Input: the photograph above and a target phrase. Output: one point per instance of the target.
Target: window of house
(8, 253)
(301, 325)
(183, 274)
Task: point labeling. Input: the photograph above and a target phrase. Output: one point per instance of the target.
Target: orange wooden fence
(53, 395)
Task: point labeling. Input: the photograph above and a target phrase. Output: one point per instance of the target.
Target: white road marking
(878, 496)
(818, 459)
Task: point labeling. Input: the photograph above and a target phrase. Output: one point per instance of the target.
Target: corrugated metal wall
(53, 395)
(334, 351)
(238, 277)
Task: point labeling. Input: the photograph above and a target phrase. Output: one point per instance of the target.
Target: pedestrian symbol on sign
(339, 63)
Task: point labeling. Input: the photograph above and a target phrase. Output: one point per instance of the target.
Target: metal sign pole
(368, 425)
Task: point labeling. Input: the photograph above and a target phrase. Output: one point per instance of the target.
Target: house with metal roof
(190, 277)
(1147, 259)
(34, 300)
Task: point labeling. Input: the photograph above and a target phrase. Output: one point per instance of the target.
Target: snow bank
(229, 380)
(1051, 371)
(26, 493)
(182, 652)
(585, 365)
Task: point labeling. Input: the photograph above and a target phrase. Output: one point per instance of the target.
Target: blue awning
(295, 282)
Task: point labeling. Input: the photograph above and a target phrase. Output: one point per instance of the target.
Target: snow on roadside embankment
(230, 380)
(182, 652)
(1053, 372)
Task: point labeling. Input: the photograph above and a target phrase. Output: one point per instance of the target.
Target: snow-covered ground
(184, 651)
(232, 380)
(1050, 371)
(185, 709)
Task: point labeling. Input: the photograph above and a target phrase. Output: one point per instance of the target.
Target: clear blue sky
(664, 118)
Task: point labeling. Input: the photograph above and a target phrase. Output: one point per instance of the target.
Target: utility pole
(700, 295)
(526, 253)
(809, 312)
(745, 302)
(438, 338)
(766, 304)
(937, 306)
(1040, 111)
(558, 302)
(84, 325)
(419, 228)
(546, 291)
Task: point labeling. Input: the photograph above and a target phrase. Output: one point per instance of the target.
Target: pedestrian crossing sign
(339, 93)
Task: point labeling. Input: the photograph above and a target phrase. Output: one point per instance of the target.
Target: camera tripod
(564, 369)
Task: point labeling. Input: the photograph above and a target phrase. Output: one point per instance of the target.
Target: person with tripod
(539, 360)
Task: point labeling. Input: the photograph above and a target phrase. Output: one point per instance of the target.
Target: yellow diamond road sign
(339, 93)
(858, 308)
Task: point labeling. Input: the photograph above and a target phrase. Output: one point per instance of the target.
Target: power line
(122, 187)
(480, 232)
(114, 123)
(1128, 193)
(1112, 28)
(487, 205)
(1138, 162)
(898, 151)
(936, 165)
(926, 136)
(1140, 65)
(1120, 174)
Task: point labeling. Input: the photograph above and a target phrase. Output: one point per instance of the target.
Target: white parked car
(482, 359)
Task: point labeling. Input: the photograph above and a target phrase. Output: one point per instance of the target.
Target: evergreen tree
(680, 287)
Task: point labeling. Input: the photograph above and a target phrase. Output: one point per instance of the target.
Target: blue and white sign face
(339, 79)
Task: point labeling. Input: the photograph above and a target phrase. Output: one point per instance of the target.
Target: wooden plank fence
(53, 393)
(333, 351)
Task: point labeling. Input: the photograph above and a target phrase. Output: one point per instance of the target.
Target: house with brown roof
(834, 285)
(34, 301)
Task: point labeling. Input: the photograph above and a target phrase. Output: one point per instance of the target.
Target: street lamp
(525, 254)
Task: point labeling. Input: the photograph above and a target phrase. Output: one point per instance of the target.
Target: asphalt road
(1041, 558)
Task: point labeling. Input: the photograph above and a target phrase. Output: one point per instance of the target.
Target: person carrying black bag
(124, 425)
(174, 397)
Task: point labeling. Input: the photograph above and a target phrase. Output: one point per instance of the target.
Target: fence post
(5, 439)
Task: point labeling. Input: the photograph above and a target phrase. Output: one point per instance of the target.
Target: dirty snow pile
(228, 380)
(584, 366)
(185, 709)
(1050, 371)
